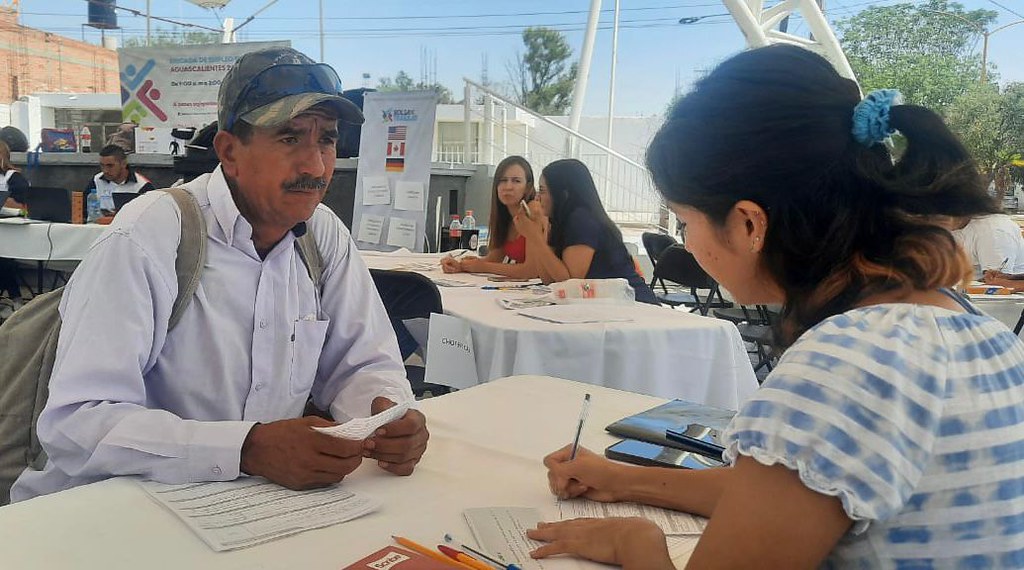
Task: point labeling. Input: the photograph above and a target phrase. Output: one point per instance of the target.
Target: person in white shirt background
(224, 392)
(116, 177)
(992, 242)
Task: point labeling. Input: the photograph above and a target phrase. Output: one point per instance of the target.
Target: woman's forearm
(692, 491)
(549, 266)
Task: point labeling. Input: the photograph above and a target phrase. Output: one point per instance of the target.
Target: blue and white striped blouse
(913, 416)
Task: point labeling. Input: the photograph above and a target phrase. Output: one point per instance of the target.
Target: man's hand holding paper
(398, 445)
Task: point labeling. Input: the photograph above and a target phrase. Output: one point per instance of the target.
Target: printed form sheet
(247, 511)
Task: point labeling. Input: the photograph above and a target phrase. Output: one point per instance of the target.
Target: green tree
(403, 82)
(990, 123)
(543, 78)
(162, 37)
(928, 54)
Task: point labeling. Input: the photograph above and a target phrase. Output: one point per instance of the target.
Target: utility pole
(322, 60)
(148, 18)
(984, 35)
(579, 92)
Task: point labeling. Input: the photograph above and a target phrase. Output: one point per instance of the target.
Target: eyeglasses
(279, 81)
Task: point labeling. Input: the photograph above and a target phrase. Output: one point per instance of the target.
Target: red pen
(463, 558)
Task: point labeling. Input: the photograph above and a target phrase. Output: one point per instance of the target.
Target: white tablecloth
(43, 241)
(485, 450)
(662, 352)
(1004, 308)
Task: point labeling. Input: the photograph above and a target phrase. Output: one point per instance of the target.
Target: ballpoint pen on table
(463, 558)
(450, 539)
(507, 287)
(579, 427)
(417, 547)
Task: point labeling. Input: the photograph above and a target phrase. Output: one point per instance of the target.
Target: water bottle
(92, 207)
(469, 230)
(455, 232)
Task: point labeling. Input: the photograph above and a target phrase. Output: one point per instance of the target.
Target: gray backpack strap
(191, 251)
(310, 254)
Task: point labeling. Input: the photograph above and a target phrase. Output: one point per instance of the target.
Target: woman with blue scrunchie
(891, 433)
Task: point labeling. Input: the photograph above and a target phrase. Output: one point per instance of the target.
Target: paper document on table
(501, 532)
(446, 282)
(362, 428)
(670, 522)
(247, 511)
(578, 314)
(516, 303)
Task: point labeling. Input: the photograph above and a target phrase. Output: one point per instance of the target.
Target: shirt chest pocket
(308, 338)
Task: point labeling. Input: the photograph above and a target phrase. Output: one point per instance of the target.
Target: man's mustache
(305, 183)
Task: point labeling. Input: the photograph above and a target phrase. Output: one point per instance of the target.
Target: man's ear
(227, 147)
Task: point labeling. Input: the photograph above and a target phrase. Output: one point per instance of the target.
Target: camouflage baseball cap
(271, 86)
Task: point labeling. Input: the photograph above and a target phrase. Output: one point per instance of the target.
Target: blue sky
(384, 36)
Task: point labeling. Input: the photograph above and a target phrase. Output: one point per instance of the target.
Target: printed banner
(393, 177)
(171, 87)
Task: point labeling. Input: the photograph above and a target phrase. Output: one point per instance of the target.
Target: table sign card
(450, 357)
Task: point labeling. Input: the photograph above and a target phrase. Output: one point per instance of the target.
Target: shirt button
(259, 386)
(263, 324)
(216, 470)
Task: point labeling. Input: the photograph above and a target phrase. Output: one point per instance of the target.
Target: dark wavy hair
(501, 220)
(571, 187)
(846, 221)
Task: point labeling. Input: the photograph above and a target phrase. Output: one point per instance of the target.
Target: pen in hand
(526, 209)
(579, 427)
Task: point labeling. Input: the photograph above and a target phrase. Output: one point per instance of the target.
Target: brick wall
(33, 61)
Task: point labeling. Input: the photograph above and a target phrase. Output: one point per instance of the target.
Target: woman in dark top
(513, 185)
(12, 180)
(580, 240)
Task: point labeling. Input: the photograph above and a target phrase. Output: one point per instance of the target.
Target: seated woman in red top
(506, 248)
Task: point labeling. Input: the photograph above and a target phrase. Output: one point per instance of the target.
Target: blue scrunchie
(871, 116)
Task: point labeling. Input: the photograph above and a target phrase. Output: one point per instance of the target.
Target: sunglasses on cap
(280, 81)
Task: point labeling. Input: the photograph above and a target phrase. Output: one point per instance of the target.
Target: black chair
(654, 244)
(408, 295)
(678, 266)
(759, 332)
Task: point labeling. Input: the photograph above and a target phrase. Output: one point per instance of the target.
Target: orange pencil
(416, 547)
(464, 558)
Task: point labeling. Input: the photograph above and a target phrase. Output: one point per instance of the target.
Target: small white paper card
(409, 196)
(376, 191)
(362, 428)
(402, 233)
(370, 229)
(451, 360)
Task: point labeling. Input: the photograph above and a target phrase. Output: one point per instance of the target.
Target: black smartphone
(698, 438)
(643, 453)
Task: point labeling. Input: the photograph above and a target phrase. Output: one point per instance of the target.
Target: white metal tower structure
(760, 27)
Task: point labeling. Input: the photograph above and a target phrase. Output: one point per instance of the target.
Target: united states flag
(396, 133)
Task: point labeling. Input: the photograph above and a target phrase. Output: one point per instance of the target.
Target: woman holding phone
(891, 432)
(581, 241)
(506, 248)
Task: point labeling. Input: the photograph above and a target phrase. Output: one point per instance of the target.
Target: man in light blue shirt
(224, 392)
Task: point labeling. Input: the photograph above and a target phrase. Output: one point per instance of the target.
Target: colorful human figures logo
(146, 95)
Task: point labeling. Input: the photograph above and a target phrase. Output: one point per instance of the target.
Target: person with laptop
(226, 391)
(116, 177)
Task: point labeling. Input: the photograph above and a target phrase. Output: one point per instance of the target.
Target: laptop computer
(49, 204)
(122, 198)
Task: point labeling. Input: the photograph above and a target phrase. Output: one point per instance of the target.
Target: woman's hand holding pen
(531, 221)
(588, 475)
(451, 265)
